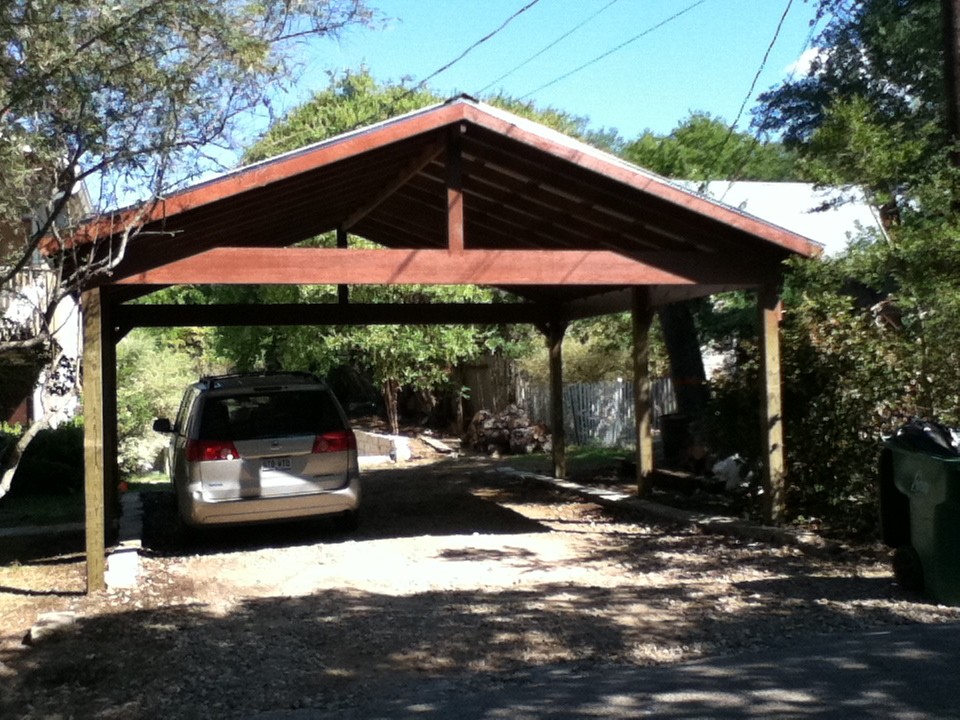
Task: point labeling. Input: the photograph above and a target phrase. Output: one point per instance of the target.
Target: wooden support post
(642, 311)
(455, 242)
(343, 291)
(771, 415)
(94, 461)
(111, 465)
(555, 331)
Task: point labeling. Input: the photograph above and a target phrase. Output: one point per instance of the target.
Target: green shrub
(53, 463)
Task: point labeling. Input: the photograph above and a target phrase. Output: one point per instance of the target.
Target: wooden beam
(594, 160)
(455, 190)
(259, 175)
(233, 315)
(774, 475)
(95, 473)
(555, 331)
(642, 312)
(332, 266)
(418, 163)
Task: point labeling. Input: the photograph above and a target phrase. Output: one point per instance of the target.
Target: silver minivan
(262, 447)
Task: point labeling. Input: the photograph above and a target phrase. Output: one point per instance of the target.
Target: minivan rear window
(269, 414)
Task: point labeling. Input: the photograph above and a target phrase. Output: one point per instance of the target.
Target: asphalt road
(908, 672)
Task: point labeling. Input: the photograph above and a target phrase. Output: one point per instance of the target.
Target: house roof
(522, 190)
(830, 216)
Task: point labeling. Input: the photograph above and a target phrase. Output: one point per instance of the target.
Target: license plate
(278, 463)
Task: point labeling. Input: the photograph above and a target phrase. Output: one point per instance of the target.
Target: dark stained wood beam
(333, 266)
(455, 239)
(227, 315)
(605, 166)
(410, 171)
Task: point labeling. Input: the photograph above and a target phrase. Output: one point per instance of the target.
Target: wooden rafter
(415, 166)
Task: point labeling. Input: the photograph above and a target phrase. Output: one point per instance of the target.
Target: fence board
(600, 413)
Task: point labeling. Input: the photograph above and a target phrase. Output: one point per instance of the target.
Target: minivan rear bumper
(196, 511)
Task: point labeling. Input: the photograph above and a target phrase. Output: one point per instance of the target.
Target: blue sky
(703, 60)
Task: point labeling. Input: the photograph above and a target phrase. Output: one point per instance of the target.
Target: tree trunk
(686, 362)
(391, 391)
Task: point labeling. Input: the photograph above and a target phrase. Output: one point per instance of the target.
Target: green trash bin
(930, 483)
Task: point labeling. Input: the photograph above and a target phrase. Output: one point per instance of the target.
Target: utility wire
(763, 65)
(545, 48)
(414, 88)
(756, 138)
(479, 42)
(615, 49)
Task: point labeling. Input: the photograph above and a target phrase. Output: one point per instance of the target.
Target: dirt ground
(456, 569)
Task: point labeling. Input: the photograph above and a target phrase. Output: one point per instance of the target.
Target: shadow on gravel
(337, 652)
(55, 548)
(415, 501)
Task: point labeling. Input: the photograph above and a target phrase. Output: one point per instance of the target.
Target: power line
(545, 48)
(756, 138)
(479, 42)
(615, 49)
(411, 90)
(763, 64)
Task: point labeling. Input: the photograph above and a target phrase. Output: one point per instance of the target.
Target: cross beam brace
(321, 266)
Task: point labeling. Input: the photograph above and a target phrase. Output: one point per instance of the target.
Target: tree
(870, 110)
(870, 338)
(125, 99)
(705, 148)
(702, 148)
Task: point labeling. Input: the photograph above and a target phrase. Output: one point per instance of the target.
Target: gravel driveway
(457, 571)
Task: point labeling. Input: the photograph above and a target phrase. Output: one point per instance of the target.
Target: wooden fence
(600, 413)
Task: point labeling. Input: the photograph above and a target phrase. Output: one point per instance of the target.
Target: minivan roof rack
(212, 380)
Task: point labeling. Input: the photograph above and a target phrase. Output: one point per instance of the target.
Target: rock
(48, 624)
(440, 447)
(509, 432)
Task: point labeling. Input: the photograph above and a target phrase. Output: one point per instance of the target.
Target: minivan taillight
(204, 450)
(335, 442)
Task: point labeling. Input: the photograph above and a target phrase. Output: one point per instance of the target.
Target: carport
(455, 194)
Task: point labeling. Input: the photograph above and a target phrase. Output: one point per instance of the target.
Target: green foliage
(866, 346)
(870, 339)
(575, 126)
(151, 377)
(127, 96)
(352, 100)
(595, 350)
(703, 148)
(870, 110)
(52, 463)
(9, 434)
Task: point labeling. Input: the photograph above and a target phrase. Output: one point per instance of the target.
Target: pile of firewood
(508, 432)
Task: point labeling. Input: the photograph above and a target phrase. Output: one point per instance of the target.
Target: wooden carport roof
(458, 193)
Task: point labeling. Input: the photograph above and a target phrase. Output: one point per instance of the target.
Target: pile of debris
(508, 432)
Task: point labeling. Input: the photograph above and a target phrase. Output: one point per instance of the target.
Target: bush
(53, 463)
(151, 376)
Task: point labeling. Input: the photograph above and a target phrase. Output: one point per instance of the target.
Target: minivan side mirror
(162, 425)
